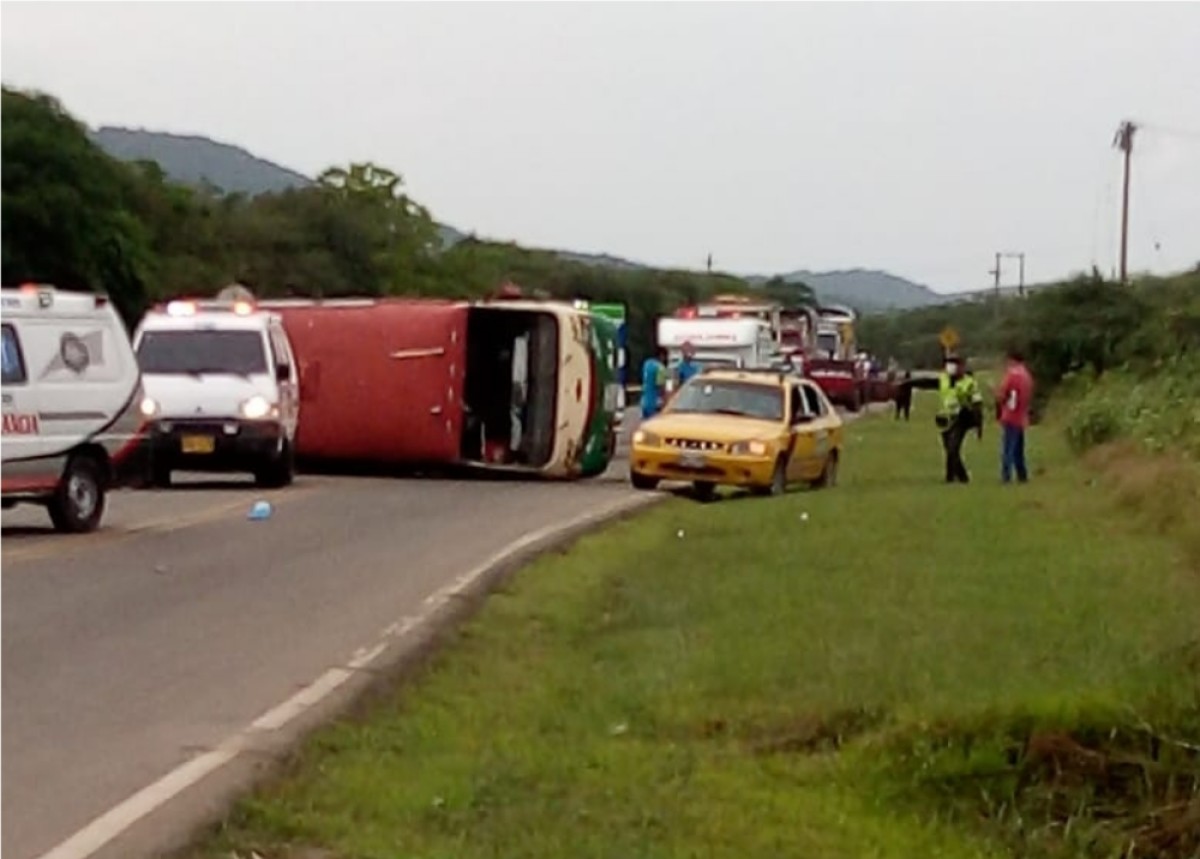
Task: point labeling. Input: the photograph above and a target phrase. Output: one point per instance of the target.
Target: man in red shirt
(1013, 399)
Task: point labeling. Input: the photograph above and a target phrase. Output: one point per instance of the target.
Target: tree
(66, 207)
(789, 293)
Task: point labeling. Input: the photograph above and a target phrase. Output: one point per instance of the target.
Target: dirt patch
(1096, 791)
(1162, 491)
(812, 734)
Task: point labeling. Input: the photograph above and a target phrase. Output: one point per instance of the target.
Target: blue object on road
(260, 510)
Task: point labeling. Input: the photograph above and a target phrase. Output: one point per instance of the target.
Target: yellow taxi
(761, 430)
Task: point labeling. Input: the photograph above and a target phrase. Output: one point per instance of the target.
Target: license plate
(198, 444)
(692, 460)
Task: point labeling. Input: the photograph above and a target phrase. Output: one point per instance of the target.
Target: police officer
(960, 409)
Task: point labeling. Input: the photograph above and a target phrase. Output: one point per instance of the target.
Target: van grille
(694, 444)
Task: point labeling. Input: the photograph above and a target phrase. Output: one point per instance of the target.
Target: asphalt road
(136, 658)
(129, 651)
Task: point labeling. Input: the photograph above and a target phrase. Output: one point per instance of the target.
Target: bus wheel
(641, 481)
(78, 502)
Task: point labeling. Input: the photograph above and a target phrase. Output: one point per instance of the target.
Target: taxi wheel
(829, 473)
(779, 478)
(704, 490)
(641, 481)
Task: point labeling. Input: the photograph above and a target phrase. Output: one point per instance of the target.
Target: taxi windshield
(720, 397)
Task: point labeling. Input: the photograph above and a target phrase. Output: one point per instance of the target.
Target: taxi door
(822, 428)
(802, 458)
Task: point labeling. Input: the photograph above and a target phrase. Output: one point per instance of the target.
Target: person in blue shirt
(688, 366)
(654, 382)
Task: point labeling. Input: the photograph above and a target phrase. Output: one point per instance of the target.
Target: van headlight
(256, 407)
(149, 407)
(647, 438)
(749, 448)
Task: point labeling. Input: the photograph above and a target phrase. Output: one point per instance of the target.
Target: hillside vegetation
(200, 162)
(78, 218)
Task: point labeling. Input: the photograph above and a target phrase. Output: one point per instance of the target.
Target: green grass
(735, 680)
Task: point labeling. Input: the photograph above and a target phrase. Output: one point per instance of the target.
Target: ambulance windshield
(238, 353)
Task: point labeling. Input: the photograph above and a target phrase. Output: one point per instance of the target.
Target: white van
(72, 428)
(222, 390)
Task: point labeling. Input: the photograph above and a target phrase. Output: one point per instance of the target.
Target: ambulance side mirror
(282, 373)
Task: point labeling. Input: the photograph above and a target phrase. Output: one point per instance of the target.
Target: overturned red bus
(511, 386)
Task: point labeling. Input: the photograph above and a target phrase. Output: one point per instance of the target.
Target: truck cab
(221, 390)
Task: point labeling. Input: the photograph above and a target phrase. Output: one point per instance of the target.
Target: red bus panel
(379, 381)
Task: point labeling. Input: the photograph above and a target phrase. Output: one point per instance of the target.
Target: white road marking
(121, 817)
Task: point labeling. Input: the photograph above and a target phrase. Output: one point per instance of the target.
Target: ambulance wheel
(280, 471)
(78, 502)
(160, 476)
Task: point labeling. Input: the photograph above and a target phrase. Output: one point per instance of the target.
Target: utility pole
(710, 263)
(1124, 142)
(995, 273)
(1020, 257)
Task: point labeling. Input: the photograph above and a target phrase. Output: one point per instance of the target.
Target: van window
(14, 361)
(279, 349)
(240, 353)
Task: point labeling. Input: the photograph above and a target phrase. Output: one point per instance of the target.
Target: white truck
(726, 343)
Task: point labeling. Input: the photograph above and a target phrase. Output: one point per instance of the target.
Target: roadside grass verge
(912, 670)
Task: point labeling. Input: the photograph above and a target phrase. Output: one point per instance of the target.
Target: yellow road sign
(948, 338)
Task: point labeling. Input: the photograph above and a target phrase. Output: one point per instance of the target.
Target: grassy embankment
(913, 670)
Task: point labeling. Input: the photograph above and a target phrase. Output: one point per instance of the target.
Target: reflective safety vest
(955, 396)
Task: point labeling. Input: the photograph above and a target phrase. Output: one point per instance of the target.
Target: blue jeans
(1012, 454)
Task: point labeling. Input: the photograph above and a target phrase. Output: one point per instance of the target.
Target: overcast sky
(916, 138)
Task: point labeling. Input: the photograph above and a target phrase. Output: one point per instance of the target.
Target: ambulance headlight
(256, 407)
(149, 407)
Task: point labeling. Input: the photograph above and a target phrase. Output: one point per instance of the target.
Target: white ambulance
(72, 428)
(222, 389)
